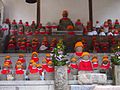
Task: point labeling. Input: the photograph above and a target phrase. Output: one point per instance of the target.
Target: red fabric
(85, 31)
(5, 71)
(18, 44)
(78, 23)
(22, 48)
(95, 66)
(49, 27)
(85, 66)
(49, 69)
(47, 32)
(54, 27)
(33, 70)
(28, 44)
(11, 46)
(75, 66)
(27, 24)
(65, 18)
(40, 71)
(30, 67)
(20, 22)
(47, 60)
(20, 33)
(19, 71)
(29, 33)
(113, 42)
(10, 62)
(68, 71)
(105, 66)
(116, 32)
(45, 43)
(44, 66)
(39, 27)
(4, 29)
(37, 32)
(22, 60)
(51, 48)
(116, 23)
(34, 47)
(36, 59)
(97, 49)
(42, 32)
(105, 49)
(106, 25)
(14, 22)
(79, 53)
(71, 33)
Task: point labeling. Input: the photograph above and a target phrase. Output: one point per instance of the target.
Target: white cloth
(97, 26)
(90, 33)
(102, 34)
(110, 33)
(43, 47)
(94, 32)
(106, 29)
(82, 87)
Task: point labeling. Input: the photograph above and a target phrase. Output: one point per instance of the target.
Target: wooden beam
(38, 12)
(91, 12)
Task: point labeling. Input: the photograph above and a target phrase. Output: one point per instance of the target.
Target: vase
(61, 78)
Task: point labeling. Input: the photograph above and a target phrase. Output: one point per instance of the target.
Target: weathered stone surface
(117, 74)
(61, 78)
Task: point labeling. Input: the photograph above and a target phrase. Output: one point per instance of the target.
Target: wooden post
(90, 12)
(38, 12)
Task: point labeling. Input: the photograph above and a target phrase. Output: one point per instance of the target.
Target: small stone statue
(20, 28)
(78, 25)
(19, 72)
(49, 75)
(35, 57)
(85, 64)
(33, 72)
(105, 65)
(78, 50)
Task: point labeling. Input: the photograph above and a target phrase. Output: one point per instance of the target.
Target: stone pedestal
(117, 74)
(61, 78)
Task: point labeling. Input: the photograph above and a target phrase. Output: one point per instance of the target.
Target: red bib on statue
(19, 71)
(36, 59)
(4, 71)
(85, 65)
(79, 53)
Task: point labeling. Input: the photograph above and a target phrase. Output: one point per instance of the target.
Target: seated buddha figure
(65, 21)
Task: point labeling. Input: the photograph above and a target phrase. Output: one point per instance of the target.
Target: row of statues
(108, 28)
(44, 69)
(93, 44)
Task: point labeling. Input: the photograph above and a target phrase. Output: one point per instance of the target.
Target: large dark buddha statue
(65, 23)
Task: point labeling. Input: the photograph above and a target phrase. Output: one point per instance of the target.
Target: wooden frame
(1, 12)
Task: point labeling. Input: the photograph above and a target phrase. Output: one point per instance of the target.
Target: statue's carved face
(105, 62)
(65, 14)
(79, 49)
(34, 66)
(34, 55)
(20, 56)
(86, 57)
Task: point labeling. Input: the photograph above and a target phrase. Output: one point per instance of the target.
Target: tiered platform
(49, 85)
